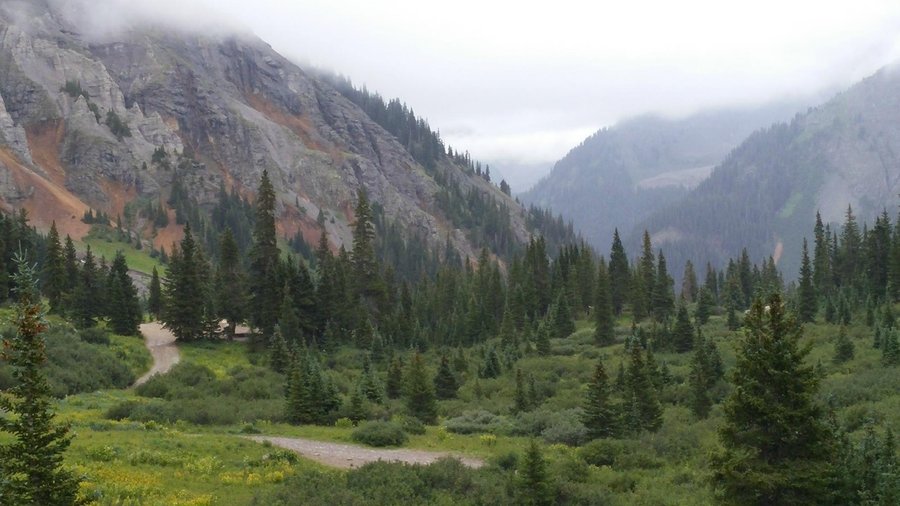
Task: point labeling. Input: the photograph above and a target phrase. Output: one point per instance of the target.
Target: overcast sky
(527, 81)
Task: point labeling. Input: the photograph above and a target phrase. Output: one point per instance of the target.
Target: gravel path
(161, 343)
(348, 456)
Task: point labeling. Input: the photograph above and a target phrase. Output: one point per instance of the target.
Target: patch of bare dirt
(161, 343)
(347, 456)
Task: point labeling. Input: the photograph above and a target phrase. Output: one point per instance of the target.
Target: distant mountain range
(620, 175)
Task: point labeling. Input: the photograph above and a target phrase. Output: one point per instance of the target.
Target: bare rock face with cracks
(84, 120)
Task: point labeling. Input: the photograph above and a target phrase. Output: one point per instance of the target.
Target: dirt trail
(161, 343)
(349, 456)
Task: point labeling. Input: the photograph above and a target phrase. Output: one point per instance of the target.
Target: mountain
(117, 121)
(765, 194)
(620, 175)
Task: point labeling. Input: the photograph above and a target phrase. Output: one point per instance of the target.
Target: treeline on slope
(484, 217)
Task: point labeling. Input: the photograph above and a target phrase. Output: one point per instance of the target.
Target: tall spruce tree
(230, 284)
(683, 331)
(604, 325)
(807, 303)
(154, 295)
(123, 306)
(264, 280)
(185, 291)
(646, 412)
(394, 384)
(775, 447)
(32, 472)
(533, 482)
(445, 384)
(600, 415)
(619, 274)
(55, 276)
(87, 296)
(419, 392)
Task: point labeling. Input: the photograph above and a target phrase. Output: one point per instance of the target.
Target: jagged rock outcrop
(230, 101)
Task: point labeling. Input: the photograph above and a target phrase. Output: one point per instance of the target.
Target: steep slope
(620, 175)
(98, 123)
(766, 193)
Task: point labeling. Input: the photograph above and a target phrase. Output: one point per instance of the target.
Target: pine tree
(366, 279)
(689, 287)
(394, 384)
(806, 292)
(701, 379)
(491, 367)
(822, 274)
(533, 485)
(71, 260)
(55, 276)
(289, 322)
(445, 385)
(647, 413)
(775, 448)
(369, 383)
(419, 394)
(683, 332)
(705, 303)
(604, 325)
(154, 296)
(563, 325)
(663, 298)
(32, 461)
(508, 337)
(619, 274)
(230, 284)
(185, 291)
(279, 356)
(542, 339)
(265, 285)
(124, 308)
(890, 348)
(600, 416)
(87, 296)
(843, 348)
(520, 396)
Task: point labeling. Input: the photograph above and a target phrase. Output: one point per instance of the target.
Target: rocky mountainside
(620, 175)
(100, 122)
(843, 153)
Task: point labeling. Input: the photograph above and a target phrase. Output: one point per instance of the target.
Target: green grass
(132, 351)
(219, 357)
(138, 260)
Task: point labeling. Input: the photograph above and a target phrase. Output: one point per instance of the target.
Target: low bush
(379, 434)
(412, 425)
(474, 422)
(94, 335)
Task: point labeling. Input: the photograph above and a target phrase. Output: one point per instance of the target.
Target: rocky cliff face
(81, 119)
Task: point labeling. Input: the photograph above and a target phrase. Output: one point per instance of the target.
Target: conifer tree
(279, 356)
(619, 274)
(600, 416)
(124, 308)
(369, 383)
(705, 302)
(264, 283)
(55, 276)
(394, 384)
(604, 325)
(366, 279)
(843, 347)
(185, 291)
(775, 449)
(890, 348)
(71, 260)
(154, 296)
(533, 484)
(419, 394)
(491, 367)
(230, 284)
(87, 296)
(31, 463)
(689, 287)
(683, 331)
(646, 413)
(542, 339)
(288, 321)
(520, 396)
(822, 275)
(663, 298)
(563, 326)
(508, 337)
(806, 292)
(445, 385)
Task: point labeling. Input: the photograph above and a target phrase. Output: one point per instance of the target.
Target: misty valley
(230, 279)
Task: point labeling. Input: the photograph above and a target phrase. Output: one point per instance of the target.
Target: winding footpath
(161, 343)
(347, 456)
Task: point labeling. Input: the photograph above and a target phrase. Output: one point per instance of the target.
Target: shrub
(94, 335)
(121, 410)
(473, 422)
(600, 452)
(412, 425)
(507, 461)
(379, 434)
(568, 431)
(343, 423)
